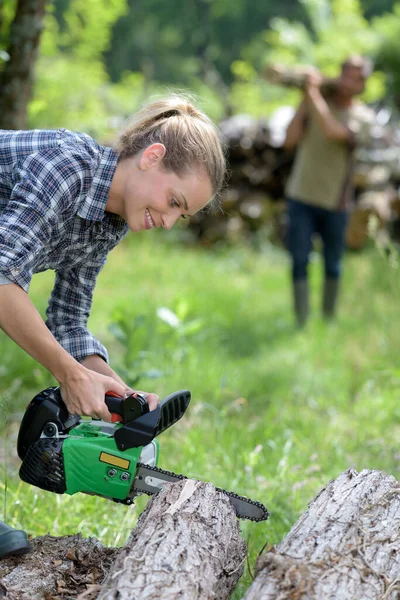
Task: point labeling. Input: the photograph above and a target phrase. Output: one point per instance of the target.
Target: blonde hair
(189, 136)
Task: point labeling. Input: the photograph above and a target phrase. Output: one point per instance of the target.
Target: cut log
(346, 546)
(186, 545)
(370, 217)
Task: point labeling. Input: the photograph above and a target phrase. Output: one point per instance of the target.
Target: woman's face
(153, 197)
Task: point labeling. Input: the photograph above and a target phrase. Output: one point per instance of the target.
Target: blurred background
(88, 64)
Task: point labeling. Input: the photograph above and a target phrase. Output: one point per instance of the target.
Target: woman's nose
(169, 221)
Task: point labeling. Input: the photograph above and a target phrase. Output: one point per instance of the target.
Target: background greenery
(275, 412)
(100, 58)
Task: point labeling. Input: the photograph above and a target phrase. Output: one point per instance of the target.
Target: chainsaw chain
(229, 494)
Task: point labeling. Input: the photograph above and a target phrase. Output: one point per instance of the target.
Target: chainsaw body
(65, 453)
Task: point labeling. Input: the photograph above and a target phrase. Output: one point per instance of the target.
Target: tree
(16, 79)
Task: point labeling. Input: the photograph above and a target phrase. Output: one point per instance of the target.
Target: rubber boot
(12, 541)
(301, 303)
(329, 298)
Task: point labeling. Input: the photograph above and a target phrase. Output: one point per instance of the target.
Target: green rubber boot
(12, 541)
(300, 299)
(329, 298)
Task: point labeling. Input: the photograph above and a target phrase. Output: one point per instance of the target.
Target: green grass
(275, 412)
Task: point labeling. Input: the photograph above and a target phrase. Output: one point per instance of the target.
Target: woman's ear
(151, 156)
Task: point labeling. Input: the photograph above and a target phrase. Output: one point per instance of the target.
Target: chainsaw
(66, 454)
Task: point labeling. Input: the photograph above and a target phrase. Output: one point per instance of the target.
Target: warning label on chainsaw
(115, 461)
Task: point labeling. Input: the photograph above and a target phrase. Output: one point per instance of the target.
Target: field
(275, 413)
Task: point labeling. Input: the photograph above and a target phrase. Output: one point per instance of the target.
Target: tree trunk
(186, 545)
(345, 546)
(17, 77)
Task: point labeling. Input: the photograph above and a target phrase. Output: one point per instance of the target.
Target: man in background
(325, 129)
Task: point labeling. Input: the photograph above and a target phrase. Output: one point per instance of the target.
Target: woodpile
(253, 201)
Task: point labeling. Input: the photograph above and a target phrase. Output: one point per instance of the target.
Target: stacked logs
(253, 201)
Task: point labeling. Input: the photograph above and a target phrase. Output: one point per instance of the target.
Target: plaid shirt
(53, 189)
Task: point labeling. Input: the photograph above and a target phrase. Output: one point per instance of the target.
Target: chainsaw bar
(149, 480)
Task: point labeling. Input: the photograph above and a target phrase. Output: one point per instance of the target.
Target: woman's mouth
(148, 220)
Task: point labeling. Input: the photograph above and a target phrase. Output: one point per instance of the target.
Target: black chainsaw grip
(142, 431)
(172, 408)
(128, 408)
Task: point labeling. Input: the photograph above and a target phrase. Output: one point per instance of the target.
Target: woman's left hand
(152, 399)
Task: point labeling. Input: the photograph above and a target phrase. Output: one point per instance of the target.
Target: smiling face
(147, 196)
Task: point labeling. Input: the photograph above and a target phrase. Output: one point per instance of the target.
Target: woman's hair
(189, 136)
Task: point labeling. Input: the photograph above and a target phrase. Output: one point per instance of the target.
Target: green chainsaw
(66, 453)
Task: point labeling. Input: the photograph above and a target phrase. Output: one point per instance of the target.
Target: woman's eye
(174, 203)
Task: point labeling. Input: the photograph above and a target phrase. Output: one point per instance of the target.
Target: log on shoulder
(186, 545)
(346, 546)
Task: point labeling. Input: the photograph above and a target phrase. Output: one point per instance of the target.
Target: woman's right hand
(84, 391)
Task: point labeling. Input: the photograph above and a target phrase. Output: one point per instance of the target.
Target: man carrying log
(326, 128)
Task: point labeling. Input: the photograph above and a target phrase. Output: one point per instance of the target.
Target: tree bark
(186, 545)
(345, 546)
(17, 78)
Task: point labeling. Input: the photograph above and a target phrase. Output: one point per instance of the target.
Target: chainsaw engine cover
(46, 415)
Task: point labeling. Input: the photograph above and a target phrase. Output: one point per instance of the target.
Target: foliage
(275, 413)
(388, 55)
(324, 44)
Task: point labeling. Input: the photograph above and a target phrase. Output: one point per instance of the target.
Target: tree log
(346, 546)
(186, 545)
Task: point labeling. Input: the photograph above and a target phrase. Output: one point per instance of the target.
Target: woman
(65, 202)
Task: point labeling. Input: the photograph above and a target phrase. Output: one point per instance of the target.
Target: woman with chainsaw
(66, 201)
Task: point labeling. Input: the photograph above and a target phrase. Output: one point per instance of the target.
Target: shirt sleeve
(44, 186)
(69, 308)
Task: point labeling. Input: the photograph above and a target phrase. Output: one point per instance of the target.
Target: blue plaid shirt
(53, 189)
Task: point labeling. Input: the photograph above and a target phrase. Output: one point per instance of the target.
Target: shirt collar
(96, 198)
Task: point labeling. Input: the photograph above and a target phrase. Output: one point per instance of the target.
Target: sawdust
(63, 568)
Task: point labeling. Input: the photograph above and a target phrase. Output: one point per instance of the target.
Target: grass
(275, 412)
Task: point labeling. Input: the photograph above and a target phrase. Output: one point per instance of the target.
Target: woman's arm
(82, 389)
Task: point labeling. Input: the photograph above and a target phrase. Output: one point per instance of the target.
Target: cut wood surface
(186, 545)
(346, 546)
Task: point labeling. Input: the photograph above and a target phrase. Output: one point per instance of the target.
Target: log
(346, 546)
(370, 217)
(186, 545)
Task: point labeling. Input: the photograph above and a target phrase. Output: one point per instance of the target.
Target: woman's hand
(84, 391)
(97, 364)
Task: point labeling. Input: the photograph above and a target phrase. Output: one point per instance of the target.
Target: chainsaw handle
(115, 406)
(125, 409)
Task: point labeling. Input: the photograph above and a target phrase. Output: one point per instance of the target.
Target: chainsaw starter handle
(125, 409)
